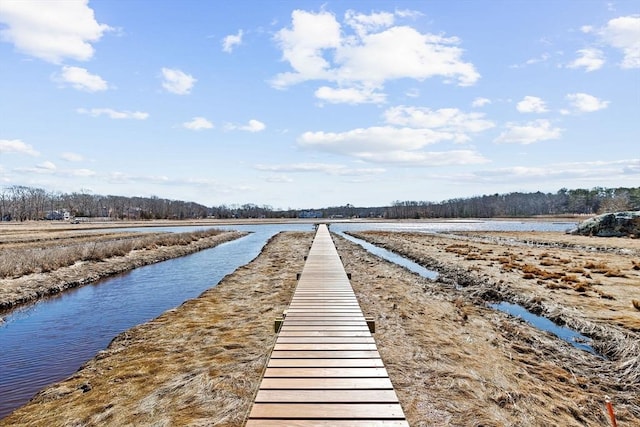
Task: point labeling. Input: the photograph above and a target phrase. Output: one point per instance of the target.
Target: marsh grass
(17, 262)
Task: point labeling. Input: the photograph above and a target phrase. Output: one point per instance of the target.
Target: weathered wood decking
(325, 369)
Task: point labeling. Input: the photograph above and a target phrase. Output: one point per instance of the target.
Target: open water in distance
(48, 341)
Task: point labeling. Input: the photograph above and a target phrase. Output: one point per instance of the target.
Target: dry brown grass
(34, 258)
(77, 260)
(455, 362)
(198, 364)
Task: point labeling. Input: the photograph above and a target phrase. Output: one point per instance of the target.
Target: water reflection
(48, 341)
(572, 337)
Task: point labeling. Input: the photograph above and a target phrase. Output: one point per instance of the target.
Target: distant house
(310, 214)
(57, 215)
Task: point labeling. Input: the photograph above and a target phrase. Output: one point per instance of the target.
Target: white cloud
(198, 123)
(427, 158)
(387, 145)
(176, 81)
(535, 131)
(531, 61)
(593, 171)
(113, 114)
(585, 103)
(231, 41)
(51, 30)
(317, 47)
(402, 140)
(365, 24)
(351, 95)
(17, 146)
(81, 79)
(531, 104)
(71, 157)
(252, 126)
(624, 33)
(326, 168)
(454, 122)
(590, 59)
(480, 102)
(46, 166)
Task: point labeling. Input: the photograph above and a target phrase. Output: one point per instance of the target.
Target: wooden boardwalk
(325, 369)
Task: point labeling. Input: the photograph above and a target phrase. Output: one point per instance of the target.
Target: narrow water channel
(568, 335)
(48, 341)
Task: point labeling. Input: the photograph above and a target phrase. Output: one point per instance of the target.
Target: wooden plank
(326, 383)
(320, 363)
(328, 346)
(326, 396)
(326, 423)
(325, 354)
(316, 333)
(362, 411)
(347, 328)
(325, 340)
(329, 372)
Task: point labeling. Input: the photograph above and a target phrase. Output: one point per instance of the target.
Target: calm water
(391, 256)
(574, 338)
(50, 340)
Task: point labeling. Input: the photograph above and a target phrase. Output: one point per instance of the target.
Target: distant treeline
(564, 202)
(19, 203)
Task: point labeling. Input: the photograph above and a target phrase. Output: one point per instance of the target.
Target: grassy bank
(35, 265)
(452, 359)
(487, 366)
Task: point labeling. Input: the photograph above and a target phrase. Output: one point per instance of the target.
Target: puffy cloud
(531, 104)
(17, 146)
(231, 41)
(364, 24)
(480, 102)
(585, 103)
(198, 123)
(351, 95)
(113, 114)
(450, 120)
(81, 79)
(176, 81)
(624, 33)
(252, 126)
(317, 47)
(52, 31)
(402, 140)
(535, 131)
(590, 59)
(388, 145)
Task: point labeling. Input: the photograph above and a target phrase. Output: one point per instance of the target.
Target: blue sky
(311, 104)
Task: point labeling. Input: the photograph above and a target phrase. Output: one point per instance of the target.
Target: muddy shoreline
(15, 292)
(452, 360)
